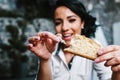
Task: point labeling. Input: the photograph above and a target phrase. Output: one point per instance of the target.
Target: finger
(104, 57)
(115, 60)
(30, 47)
(49, 35)
(108, 49)
(50, 45)
(115, 68)
(112, 62)
(33, 39)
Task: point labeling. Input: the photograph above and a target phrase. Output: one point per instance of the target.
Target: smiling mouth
(67, 37)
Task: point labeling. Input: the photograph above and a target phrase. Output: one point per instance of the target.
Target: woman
(70, 18)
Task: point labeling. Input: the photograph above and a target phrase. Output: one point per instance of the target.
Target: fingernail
(100, 52)
(97, 60)
(46, 34)
(29, 46)
(57, 40)
(37, 38)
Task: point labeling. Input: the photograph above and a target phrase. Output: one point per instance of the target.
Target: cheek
(58, 29)
(77, 29)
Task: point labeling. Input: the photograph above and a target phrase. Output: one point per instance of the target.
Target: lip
(68, 37)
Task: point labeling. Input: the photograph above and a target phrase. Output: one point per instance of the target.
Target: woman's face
(67, 23)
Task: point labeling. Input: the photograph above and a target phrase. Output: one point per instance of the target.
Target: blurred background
(20, 19)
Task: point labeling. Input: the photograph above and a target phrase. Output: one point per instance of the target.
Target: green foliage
(13, 30)
(16, 46)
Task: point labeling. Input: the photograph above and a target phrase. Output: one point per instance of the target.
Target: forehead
(63, 11)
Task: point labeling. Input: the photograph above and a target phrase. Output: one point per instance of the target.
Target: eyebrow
(71, 16)
(67, 17)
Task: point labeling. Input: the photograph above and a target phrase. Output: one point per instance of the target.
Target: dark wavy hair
(78, 8)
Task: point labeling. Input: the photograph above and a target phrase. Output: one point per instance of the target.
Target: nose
(65, 26)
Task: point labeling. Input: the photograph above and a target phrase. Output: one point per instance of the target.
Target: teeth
(67, 35)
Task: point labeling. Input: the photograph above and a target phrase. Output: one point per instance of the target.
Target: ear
(82, 25)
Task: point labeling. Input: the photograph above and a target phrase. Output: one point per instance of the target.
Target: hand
(111, 55)
(43, 44)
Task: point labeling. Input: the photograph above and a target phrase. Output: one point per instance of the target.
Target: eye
(72, 20)
(57, 23)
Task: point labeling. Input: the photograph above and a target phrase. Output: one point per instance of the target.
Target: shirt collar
(59, 52)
